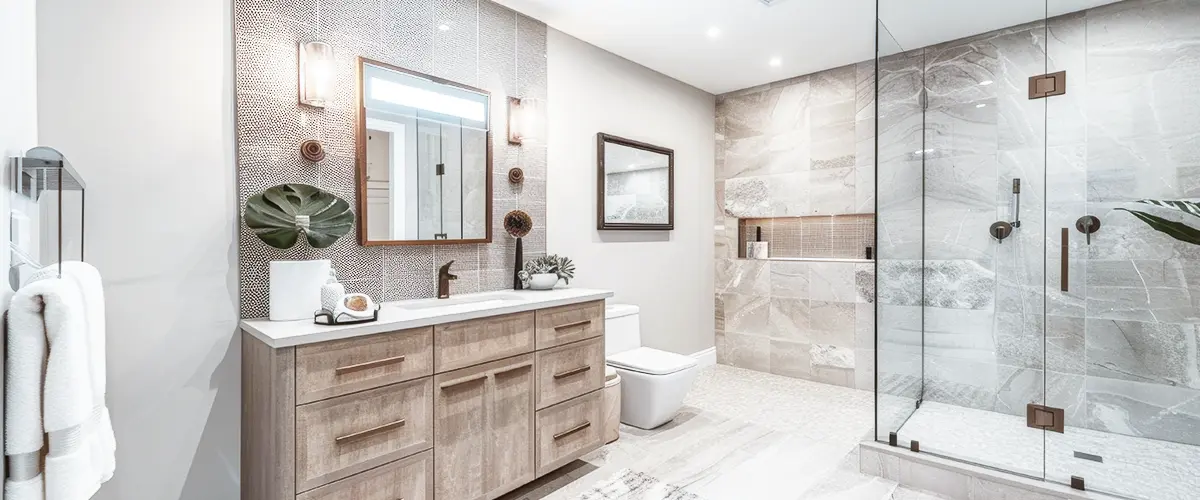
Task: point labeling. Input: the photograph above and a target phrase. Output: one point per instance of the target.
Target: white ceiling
(670, 36)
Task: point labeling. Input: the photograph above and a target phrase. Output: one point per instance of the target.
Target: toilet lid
(651, 361)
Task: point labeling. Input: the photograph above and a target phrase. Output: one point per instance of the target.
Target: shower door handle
(1063, 277)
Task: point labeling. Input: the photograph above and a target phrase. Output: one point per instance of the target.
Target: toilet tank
(622, 328)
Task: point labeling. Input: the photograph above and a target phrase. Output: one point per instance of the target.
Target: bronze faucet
(444, 278)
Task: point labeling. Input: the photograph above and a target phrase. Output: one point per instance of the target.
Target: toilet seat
(651, 361)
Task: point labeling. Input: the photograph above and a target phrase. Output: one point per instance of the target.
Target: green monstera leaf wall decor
(282, 213)
(1174, 229)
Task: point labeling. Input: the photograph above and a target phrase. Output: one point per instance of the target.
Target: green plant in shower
(282, 213)
(1177, 230)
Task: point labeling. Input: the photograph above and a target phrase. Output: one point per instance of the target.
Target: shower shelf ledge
(815, 259)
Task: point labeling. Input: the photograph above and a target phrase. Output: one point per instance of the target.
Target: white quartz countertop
(417, 313)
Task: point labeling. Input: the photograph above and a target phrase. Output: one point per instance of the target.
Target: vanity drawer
(343, 436)
(407, 479)
(468, 343)
(568, 431)
(571, 323)
(568, 371)
(341, 367)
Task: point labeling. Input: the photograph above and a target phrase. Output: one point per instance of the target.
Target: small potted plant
(543, 273)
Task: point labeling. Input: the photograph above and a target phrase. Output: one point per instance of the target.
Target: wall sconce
(316, 73)
(524, 120)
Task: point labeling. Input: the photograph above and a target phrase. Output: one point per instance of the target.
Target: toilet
(653, 382)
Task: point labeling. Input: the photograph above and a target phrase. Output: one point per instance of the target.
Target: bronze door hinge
(1045, 418)
(1048, 85)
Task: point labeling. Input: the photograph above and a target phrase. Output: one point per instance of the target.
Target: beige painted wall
(668, 274)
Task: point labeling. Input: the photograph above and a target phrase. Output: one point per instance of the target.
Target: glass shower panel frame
(1121, 340)
(980, 329)
(898, 237)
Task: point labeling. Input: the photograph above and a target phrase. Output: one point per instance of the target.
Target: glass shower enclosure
(1038, 238)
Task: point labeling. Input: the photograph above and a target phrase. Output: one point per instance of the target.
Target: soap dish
(327, 317)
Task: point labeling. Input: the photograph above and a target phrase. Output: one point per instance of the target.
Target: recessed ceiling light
(444, 27)
(981, 105)
(986, 82)
(713, 32)
(775, 62)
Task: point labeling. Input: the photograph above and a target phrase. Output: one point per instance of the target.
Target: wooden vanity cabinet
(467, 410)
(484, 429)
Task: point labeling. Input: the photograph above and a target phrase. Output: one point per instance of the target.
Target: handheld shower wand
(1001, 230)
(1017, 202)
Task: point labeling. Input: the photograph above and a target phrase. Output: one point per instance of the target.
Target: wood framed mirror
(635, 185)
(424, 159)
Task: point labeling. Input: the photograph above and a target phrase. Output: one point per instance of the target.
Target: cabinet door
(510, 461)
(460, 434)
(483, 431)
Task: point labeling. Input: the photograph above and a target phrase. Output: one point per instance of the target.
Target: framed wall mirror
(636, 185)
(424, 159)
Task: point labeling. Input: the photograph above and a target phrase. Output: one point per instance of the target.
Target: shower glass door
(1123, 165)
(1038, 246)
(963, 236)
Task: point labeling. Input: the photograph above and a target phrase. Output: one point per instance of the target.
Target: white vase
(296, 288)
(543, 281)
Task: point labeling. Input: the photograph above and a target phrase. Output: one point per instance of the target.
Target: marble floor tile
(741, 435)
(749, 435)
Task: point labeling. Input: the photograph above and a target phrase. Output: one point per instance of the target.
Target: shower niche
(849, 237)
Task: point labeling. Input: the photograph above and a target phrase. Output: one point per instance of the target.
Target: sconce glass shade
(316, 73)
(525, 122)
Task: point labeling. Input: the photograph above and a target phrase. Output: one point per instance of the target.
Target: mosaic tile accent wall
(487, 46)
(797, 150)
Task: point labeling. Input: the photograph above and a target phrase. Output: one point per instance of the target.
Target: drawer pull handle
(572, 325)
(574, 371)
(515, 368)
(368, 432)
(342, 370)
(572, 430)
(461, 381)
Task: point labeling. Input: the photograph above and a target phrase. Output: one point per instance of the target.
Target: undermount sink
(477, 301)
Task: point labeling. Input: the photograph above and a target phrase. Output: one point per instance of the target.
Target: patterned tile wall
(487, 46)
(797, 151)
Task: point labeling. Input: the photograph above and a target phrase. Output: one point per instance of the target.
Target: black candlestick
(517, 268)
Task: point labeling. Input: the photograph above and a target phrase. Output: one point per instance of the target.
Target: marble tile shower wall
(798, 147)
(1119, 351)
(487, 46)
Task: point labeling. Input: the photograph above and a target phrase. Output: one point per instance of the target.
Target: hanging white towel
(91, 287)
(51, 390)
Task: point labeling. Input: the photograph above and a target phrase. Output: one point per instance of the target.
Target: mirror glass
(424, 159)
(636, 185)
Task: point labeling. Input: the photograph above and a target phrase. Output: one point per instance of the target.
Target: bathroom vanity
(458, 399)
